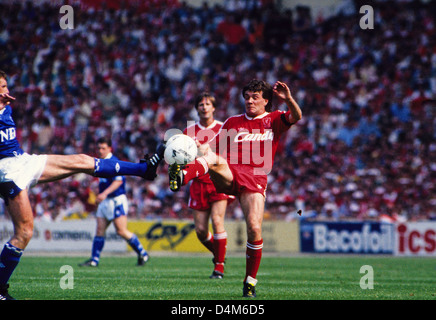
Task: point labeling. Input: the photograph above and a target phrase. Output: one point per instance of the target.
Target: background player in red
(239, 158)
(204, 199)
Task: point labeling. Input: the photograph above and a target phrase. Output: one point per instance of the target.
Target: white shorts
(112, 208)
(20, 172)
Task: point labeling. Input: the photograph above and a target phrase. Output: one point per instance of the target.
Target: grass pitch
(321, 277)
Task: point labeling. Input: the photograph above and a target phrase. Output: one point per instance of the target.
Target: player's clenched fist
(5, 98)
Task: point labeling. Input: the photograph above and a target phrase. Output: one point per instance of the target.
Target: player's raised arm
(283, 92)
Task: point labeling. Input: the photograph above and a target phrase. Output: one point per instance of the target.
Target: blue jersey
(104, 183)
(9, 145)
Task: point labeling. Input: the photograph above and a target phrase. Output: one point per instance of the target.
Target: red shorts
(202, 195)
(245, 180)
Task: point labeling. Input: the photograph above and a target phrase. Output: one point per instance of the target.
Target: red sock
(209, 243)
(195, 169)
(220, 247)
(254, 255)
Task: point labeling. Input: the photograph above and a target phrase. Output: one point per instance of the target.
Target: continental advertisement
(65, 236)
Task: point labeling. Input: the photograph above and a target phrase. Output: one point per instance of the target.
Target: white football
(180, 149)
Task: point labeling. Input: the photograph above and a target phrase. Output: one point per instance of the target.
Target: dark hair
(108, 141)
(203, 95)
(260, 86)
(3, 75)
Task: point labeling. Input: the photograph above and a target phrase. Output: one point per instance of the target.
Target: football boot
(142, 260)
(4, 295)
(216, 275)
(153, 162)
(249, 290)
(89, 263)
(176, 175)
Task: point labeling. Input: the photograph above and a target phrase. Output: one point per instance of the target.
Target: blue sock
(9, 259)
(136, 245)
(97, 248)
(108, 168)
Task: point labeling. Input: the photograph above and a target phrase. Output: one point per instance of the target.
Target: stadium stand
(366, 146)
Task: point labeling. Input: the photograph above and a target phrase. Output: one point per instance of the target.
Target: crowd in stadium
(365, 148)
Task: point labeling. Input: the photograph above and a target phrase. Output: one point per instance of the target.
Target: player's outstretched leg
(107, 168)
(180, 175)
(153, 162)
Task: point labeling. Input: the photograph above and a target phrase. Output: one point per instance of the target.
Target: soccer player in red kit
(239, 158)
(204, 199)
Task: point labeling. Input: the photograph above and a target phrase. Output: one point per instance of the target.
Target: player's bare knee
(123, 233)
(83, 161)
(217, 222)
(254, 232)
(23, 234)
(201, 233)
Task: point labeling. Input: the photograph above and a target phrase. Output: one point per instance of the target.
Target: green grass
(320, 277)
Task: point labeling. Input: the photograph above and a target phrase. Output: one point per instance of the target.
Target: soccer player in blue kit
(112, 207)
(19, 171)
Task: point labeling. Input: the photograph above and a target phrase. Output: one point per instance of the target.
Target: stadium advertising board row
(403, 239)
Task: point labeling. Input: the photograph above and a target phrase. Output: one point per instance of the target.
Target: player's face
(254, 103)
(205, 109)
(3, 90)
(103, 150)
(3, 86)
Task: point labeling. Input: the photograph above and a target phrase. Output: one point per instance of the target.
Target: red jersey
(251, 142)
(203, 135)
